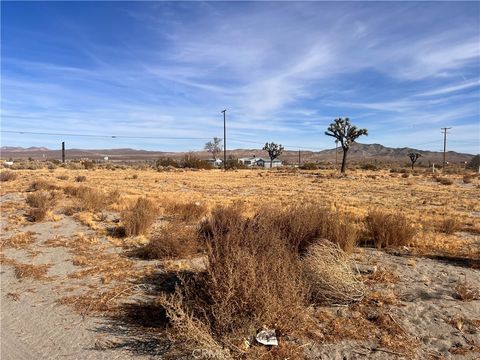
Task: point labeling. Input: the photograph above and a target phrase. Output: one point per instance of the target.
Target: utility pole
(299, 159)
(445, 147)
(63, 152)
(224, 140)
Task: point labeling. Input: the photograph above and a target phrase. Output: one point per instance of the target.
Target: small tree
(214, 147)
(343, 131)
(274, 151)
(414, 157)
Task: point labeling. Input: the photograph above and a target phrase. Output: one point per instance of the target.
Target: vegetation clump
(7, 176)
(389, 229)
(138, 219)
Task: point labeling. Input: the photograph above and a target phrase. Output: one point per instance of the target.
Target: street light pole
(224, 140)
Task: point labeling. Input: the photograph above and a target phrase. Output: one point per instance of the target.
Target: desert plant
(252, 280)
(389, 229)
(414, 157)
(91, 199)
(343, 131)
(329, 271)
(474, 163)
(171, 241)
(41, 203)
(449, 225)
(444, 180)
(190, 211)
(7, 176)
(273, 150)
(63, 177)
(467, 179)
(191, 161)
(80, 178)
(302, 225)
(42, 185)
(138, 219)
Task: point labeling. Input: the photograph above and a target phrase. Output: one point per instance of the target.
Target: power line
(105, 136)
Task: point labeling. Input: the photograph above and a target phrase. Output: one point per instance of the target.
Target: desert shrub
(467, 179)
(62, 177)
(329, 272)
(138, 219)
(41, 203)
(309, 166)
(7, 176)
(252, 280)
(91, 199)
(42, 185)
(166, 162)
(75, 166)
(134, 176)
(222, 220)
(171, 241)
(88, 164)
(80, 178)
(302, 225)
(444, 180)
(193, 162)
(389, 229)
(190, 211)
(449, 225)
(474, 163)
(369, 167)
(405, 175)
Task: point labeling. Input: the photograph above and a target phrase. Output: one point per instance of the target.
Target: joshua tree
(343, 131)
(214, 147)
(414, 157)
(274, 151)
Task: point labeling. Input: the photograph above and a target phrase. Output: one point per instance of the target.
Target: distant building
(260, 162)
(215, 162)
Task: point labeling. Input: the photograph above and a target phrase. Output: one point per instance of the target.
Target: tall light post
(445, 129)
(224, 140)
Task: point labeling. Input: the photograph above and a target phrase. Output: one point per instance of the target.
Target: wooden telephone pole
(445, 147)
(63, 152)
(224, 140)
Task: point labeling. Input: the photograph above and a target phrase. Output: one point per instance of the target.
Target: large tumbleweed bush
(252, 279)
(330, 273)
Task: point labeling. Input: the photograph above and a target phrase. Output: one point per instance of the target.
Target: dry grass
(138, 219)
(329, 271)
(466, 292)
(42, 185)
(449, 225)
(190, 211)
(170, 242)
(41, 203)
(19, 241)
(252, 280)
(37, 272)
(389, 229)
(91, 199)
(7, 176)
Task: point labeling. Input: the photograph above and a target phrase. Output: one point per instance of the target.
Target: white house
(215, 162)
(254, 161)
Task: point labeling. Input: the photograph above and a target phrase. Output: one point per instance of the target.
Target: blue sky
(284, 71)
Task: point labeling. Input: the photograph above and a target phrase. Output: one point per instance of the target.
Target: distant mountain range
(358, 153)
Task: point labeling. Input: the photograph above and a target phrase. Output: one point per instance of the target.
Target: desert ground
(141, 263)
